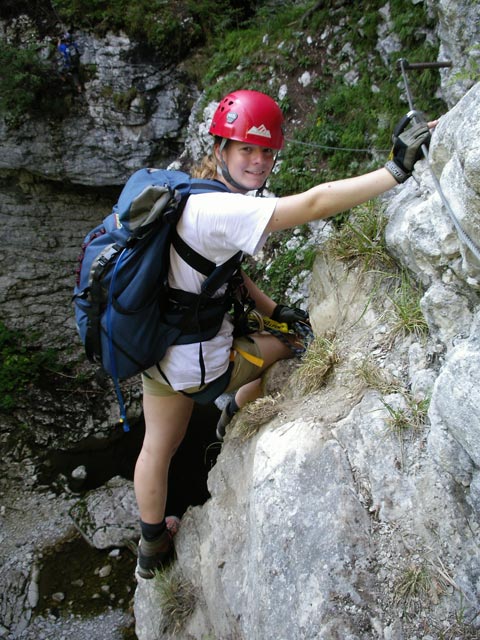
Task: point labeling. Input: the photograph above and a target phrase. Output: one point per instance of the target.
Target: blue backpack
(126, 314)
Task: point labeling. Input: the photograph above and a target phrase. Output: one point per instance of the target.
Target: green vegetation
(284, 264)
(250, 56)
(28, 87)
(413, 586)
(122, 101)
(163, 26)
(360, 240)
(20, 366)
(374, 377)
(471, 71)
(420, 585)
(351, 124)
(410, 418)
(360, 237)
(170, 29)
(352, 102)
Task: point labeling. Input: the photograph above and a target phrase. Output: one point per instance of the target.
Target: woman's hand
(410, 138)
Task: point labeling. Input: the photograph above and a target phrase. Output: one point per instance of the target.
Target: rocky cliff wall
(130, 114)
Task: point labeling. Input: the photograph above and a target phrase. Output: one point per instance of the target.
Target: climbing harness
(404, 65)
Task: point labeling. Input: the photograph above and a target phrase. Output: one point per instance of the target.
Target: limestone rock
(107, 517)
(458, 32)
(420, 231)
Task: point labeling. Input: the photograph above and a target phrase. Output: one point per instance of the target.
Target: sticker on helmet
(260, 131)
(231, 117)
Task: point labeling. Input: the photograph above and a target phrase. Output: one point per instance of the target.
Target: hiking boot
(152, 555)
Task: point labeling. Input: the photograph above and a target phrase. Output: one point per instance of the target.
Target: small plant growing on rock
(409, 418)
(420, 584)
(361, 238)
(317, 363)
(254, 415)
(408, 316)
(177, 597)
(413, 586)
(374, 377)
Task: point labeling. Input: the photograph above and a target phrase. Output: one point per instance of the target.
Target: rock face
(457, 31)
(57, 181)
(346, 515)
(107, 517)
(129, 115)
(436, 253)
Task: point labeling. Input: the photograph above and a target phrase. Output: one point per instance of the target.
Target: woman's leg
(272, 350)
(166, 422)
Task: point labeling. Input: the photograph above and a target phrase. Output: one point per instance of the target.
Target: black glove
(281, 313)
(407, 147)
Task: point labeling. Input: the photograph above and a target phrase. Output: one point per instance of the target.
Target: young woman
(248, 133)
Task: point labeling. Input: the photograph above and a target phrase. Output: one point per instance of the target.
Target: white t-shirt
(217, 225)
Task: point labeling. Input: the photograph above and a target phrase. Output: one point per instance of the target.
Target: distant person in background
(247, 130)
(70, 60)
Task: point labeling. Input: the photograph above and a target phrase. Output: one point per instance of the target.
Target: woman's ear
(217, 152)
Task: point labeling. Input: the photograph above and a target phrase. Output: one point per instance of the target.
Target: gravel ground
(49, 576)
(108, 626)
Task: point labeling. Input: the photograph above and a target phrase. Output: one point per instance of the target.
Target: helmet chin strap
(226, 174)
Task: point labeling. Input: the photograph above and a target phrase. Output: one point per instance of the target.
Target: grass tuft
(361, 238)
(177, 597)
(317, 363)
(254, 415)
(408, 419)
(375, 378)
(413, 586)
(408, 316)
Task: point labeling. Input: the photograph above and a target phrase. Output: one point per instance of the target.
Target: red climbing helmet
(249, 116)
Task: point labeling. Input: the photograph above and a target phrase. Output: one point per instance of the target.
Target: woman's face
(248, 164)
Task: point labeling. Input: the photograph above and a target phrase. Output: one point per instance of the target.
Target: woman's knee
(166, 422)
(272, 349)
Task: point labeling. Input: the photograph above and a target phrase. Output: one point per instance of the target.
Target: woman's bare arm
(262, 302)
(328, 199)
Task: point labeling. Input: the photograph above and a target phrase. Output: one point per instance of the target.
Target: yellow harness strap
(258, 362)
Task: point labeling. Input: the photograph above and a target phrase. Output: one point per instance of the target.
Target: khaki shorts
(243, 371)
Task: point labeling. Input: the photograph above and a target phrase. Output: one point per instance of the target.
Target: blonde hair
(207, 169)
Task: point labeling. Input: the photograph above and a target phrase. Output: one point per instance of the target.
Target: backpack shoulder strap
(199, 185)
(187, 253)
(220, 274)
